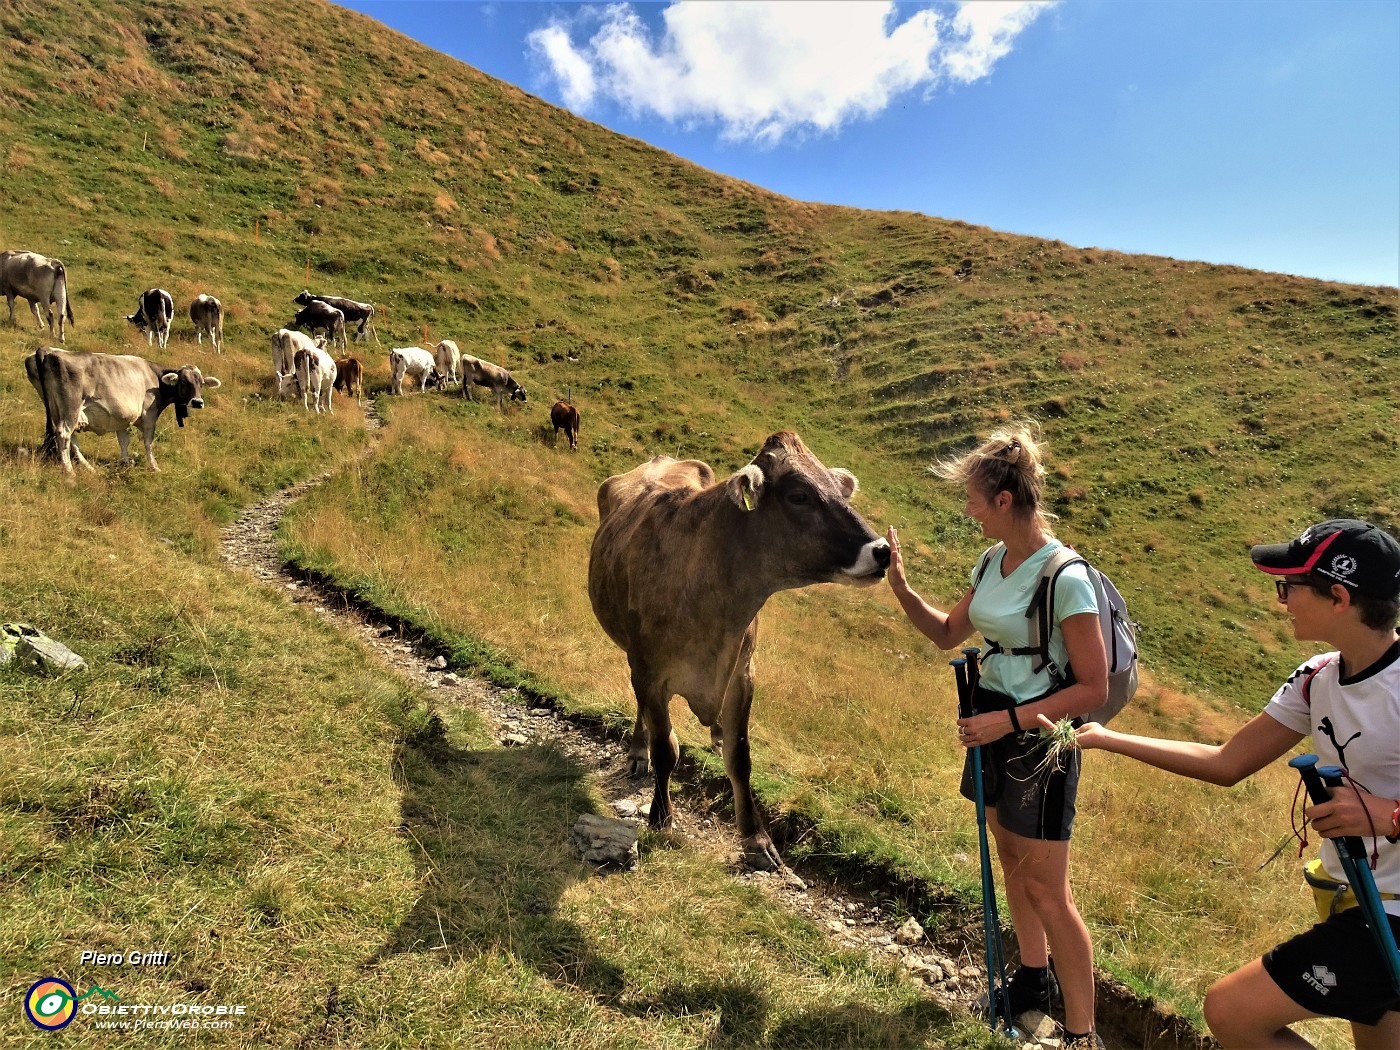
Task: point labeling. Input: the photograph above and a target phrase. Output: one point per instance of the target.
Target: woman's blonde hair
(1008, 461)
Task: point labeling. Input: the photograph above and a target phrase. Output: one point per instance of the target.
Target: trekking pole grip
(1319, 780)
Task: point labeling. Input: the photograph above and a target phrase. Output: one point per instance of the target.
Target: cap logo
(1343, 565)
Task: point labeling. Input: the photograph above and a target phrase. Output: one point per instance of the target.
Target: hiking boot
(1030, 990)
(1084, 1042)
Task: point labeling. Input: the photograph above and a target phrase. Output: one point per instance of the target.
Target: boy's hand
(1088, 736)
(1346, 812)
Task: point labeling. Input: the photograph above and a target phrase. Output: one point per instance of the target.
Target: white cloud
(766, 70)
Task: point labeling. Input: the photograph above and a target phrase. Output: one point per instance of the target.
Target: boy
(1340, 582)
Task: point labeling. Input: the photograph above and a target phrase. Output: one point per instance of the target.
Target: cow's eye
(799, 497)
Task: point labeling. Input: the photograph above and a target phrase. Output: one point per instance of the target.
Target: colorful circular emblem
(51, 1003)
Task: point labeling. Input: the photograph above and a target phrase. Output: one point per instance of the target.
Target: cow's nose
(198, 402)
(881, 551)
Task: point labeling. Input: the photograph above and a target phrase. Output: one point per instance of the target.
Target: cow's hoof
(762, 855)
(637, 767)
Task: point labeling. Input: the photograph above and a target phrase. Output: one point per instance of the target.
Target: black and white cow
(155, 309)
(356, 313)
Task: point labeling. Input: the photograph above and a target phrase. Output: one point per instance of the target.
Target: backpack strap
(1042, 612)
(1306, 687)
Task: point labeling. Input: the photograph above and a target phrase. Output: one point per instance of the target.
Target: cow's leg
(759, 851)
(654, 729)
(10, 301)
(38, 318)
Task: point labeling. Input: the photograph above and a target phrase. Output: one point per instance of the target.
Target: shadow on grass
(744, 1014)
(490, 828)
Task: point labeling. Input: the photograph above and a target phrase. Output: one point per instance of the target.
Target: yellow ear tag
(748, 500)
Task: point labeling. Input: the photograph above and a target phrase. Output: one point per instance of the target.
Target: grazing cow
(413, 362)
(285, 344)
(350, 378)
(315, 376)
(448, 360)
(317, 316)
(109, 395)
(207, 313)
(155, 309)
(39, 280)
(564, 416)
(679, 569)
(493, 377)
(358, 314)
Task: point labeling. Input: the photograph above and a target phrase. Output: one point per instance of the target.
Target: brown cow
(39, 280)
(564, 416)
(679, 569)
(207, 315)
(350, 378)
(109, 395)
(493, 377)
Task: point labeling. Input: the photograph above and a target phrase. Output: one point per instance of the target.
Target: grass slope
(255, 149)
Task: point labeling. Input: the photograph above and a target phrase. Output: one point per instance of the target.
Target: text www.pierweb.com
(174, 1023)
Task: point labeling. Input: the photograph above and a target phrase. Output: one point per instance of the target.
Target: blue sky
(1264, 134)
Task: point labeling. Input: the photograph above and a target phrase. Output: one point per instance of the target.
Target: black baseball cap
(1362, 557)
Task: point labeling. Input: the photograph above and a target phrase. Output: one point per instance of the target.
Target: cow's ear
(745, 486)
(170, 378)
(845, 481)
(210, 381)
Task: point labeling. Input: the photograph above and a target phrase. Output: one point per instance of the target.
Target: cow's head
(184, 388)
(138, 319)
(303, 297)
(808, 530)
(517, 392)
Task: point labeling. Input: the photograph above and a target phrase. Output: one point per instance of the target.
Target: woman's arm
(945, 629)
(1254, 746)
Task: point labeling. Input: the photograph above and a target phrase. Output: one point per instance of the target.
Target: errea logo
(1322, 979)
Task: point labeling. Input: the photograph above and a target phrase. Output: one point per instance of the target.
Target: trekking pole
(967, 673)
(1352, 853)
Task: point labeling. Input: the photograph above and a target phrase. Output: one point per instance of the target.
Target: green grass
(1190, 409)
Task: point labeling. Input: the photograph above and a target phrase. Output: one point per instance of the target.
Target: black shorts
(1032, 797)
(1335, 969)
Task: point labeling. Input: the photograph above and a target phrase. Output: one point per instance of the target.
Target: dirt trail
(951, 973)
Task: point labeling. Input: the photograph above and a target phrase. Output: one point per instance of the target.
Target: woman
(1004, 481)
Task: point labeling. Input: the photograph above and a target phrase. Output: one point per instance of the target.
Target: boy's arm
(1254, 746)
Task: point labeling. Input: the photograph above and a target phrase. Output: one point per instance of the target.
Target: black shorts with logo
(1335, 969)
(1033, 797)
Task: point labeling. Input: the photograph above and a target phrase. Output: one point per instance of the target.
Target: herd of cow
(680, 565)
(111, 394)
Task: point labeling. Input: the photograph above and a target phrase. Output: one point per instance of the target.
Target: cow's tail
(61, 279)
(34, 365)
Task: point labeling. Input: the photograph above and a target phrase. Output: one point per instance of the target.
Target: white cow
(109, 395)
(39, 280)
(448, 360)
(285, 344)
(413, 362)
(315, 377)
(207, 314)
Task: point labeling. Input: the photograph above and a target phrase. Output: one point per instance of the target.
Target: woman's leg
(1043, 913)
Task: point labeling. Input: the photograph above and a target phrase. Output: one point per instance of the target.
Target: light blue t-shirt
(998, 610)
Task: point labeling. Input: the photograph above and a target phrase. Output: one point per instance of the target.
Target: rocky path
(950, 973)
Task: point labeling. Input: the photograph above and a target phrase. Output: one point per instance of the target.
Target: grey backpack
(1119, 631)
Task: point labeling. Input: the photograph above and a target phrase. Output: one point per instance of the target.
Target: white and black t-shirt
(1354, 723)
